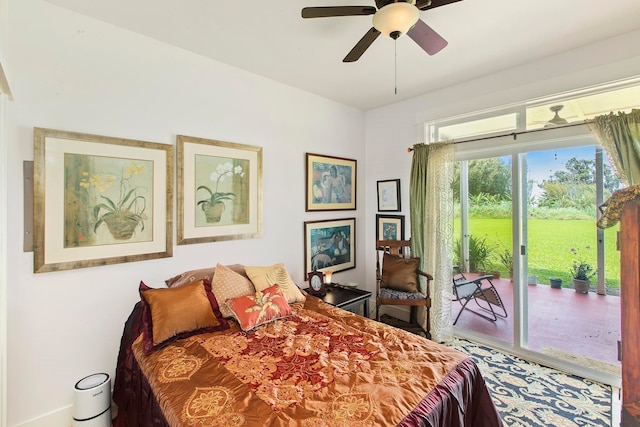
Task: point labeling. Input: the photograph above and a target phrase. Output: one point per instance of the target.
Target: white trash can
(92, 401)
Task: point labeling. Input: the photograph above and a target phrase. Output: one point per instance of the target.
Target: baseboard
(60, 418)
(398, 312)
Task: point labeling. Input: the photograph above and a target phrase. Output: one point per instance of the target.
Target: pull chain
(395, 65)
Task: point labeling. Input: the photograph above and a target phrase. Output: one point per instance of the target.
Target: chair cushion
(399, 273)
(388, 293)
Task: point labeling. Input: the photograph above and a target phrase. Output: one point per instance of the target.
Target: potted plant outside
(507, 260)
(581, 272)
(479, 254)
(556, 282)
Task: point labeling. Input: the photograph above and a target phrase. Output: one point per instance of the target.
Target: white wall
(74, 73)
(392, 129)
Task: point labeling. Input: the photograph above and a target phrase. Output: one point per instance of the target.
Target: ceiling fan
(391, 18)
(556, 120)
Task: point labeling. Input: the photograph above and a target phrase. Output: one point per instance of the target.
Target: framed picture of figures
(389, 227)
(100, 200)
(331, 183)
(219, 190)
(330, 245)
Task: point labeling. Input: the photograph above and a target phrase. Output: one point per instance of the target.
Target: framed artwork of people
(331, 183)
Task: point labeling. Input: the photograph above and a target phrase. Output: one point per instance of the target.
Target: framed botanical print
(329, 246)
(389, 227)
(100, 200)
(389, 195)
(331, 183)
(219, 190)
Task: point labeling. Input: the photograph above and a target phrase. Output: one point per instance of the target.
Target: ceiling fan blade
(329, 11)
(430, 4)
(427, 38)
(362, 45)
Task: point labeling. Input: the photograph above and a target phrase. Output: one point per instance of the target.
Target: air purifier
(92, 401)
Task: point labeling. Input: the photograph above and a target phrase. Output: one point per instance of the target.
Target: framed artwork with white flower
(100, 200)
(219, 190)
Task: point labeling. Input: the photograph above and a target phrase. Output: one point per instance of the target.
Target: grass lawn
(550, 243)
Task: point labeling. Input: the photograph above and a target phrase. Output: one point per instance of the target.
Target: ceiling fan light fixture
(396, 19)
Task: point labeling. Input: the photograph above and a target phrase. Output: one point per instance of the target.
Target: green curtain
(417, 199)
(619, 135)
(431, 213)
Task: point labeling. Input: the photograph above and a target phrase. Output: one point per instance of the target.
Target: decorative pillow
(399, 273)
(200, 274)
(259, 308)
(229, 284)
(263, 277)
(172, 313)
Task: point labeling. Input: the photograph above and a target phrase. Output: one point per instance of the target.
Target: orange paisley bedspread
(322, 366)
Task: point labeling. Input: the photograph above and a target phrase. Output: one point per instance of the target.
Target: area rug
(530, 395)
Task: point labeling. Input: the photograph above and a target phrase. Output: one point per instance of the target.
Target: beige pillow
(263, 277)
(200, 274)
(399, 273)
(228, 284)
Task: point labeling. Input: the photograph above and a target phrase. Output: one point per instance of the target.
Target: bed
(317, 365)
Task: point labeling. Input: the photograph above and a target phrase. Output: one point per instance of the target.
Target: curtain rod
(514, 134)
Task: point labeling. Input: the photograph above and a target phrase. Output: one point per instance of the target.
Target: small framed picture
(389, 227)
(316, 283)
(389, 195)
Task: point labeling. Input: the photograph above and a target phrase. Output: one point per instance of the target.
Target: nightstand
(347, 298)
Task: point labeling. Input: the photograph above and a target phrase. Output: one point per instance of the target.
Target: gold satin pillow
(178, 310)
(277, 274)
(399, 273)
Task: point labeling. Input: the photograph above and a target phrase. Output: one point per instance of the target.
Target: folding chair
(480, 290)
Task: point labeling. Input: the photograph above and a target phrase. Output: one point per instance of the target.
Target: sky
(542, 164)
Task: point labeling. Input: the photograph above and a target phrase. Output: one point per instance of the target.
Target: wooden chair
(399, 284)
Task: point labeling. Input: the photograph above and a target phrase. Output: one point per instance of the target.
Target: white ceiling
(271, 39)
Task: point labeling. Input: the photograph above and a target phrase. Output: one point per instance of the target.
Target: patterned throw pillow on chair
(400, 273)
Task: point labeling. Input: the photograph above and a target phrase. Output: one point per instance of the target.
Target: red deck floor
(587, 325)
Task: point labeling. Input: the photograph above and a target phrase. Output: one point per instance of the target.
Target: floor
(562, 322)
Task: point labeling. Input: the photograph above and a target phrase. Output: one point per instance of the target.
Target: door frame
(552, 138)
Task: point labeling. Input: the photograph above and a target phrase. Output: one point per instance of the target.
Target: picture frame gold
(330, 183)
(100, 200)
(219, 190)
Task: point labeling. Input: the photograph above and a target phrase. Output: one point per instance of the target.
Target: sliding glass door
(483, 242)
(575, 320)
(528, 219)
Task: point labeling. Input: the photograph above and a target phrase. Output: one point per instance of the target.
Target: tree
(486, 176)
(583, 171)
(575, 185)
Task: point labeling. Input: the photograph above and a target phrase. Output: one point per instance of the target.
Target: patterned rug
(530, 395)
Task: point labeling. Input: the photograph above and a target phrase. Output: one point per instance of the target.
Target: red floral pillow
(259, 308)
